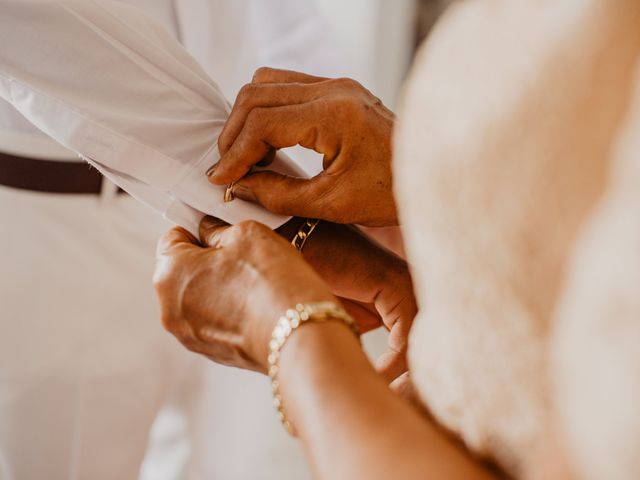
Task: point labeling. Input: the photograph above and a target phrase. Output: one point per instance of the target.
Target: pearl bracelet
(291, 320)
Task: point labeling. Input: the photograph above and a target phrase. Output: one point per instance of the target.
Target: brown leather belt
(49, 176)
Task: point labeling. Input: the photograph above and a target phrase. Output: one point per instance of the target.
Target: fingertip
(211, 169)
(214, 177)
(226, 171)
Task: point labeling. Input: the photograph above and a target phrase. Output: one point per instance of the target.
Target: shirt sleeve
(107, 82)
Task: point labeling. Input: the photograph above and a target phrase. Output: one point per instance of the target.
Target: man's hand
(335, 117)
(374, 285)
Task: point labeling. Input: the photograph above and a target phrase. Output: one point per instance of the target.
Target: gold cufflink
(228, 193)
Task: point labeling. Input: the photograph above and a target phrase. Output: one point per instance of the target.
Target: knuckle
(161, 282)
(158, 279)
(353, 105)
(165, 270)
(246, 93)
(262, 74)
(273, 198)
(242, 228)
(250, 228)
(164, 283)
(345, 106)
(245, 90)
(321, 187)
(188, 343)
(168, 321)
(255, 118)
(348, 83)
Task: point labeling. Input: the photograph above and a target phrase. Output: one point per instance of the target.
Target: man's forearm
(344, 256)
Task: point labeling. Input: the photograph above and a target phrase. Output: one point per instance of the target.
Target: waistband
(50, 176)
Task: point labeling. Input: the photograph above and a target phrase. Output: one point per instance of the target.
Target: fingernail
(211, 169)
(245, 193)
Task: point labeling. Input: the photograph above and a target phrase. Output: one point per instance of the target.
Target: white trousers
(85, 366)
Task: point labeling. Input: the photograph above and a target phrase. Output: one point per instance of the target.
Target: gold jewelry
(228, 193)
(304, 232)
(291, 320)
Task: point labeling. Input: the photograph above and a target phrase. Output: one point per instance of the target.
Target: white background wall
(376, 38)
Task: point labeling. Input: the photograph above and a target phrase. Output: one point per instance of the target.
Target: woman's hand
(335, 117)
(224, 300)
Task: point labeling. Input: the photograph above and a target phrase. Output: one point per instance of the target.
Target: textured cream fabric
(596, 347)
(503, 151)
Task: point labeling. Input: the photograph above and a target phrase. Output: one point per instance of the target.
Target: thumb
(211, 229)
(176, 237)
(284, 195)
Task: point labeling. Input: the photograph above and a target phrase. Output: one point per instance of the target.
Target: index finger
(276, 75)
(258, 95)
(174, 238)
(278, 127)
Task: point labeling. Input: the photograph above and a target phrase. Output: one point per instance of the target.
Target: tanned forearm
(351, 424)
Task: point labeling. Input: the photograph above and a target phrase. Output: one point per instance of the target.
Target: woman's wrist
(316, 354)
(288, 326)
(351, 424)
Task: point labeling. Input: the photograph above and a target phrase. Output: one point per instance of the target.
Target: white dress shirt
(110, 84)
